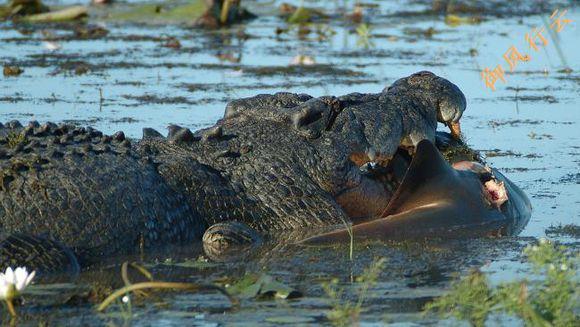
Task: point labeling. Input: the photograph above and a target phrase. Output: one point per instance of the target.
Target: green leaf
(300, 16)
(262, 286)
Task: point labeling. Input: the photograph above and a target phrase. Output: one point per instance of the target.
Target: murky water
(528, 127)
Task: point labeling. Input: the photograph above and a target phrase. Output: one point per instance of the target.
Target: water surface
(528, 128)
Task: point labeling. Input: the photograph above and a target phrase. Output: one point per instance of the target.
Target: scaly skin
(88, 191)
(274, 163)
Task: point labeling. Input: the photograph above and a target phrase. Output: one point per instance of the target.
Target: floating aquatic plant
(12, 283)
(570, 230)
(364, 36)
(550, 299)
(262, 286)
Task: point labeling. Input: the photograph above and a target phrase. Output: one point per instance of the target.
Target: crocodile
(70, 195)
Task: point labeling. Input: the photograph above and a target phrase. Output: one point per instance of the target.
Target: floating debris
(12, 71)
(26, 7)
(51, 46)
(223, 13)
(454, 20)
(570, 230)
(71, 13)
(300, 15)
(302, 60)
(357, 14)
(172, 43)
(90, 32)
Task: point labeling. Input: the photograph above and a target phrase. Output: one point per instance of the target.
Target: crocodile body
(89, 191)
(274, 163)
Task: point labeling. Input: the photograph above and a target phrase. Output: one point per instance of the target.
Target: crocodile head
(403, 115)
(435, 93)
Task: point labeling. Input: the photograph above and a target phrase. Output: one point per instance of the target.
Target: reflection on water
(128, 80)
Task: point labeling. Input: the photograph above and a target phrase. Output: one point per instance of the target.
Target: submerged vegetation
(551, 298)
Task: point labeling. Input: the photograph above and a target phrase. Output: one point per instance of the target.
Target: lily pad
(302, 15)
(262, 286)
(66, 14)
(159, 13)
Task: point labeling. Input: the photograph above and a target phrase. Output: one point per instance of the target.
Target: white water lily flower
(563, 267)
(5, 288)
(13, 282)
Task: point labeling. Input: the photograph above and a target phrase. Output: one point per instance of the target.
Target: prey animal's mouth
(495, 193)
(494, 190)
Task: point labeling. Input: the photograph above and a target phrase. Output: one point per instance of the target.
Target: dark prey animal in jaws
(273, 164)
(435, 199)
